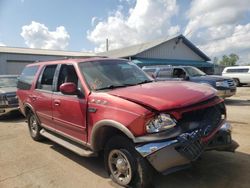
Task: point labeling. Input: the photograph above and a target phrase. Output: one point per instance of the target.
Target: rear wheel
(124, 165)
(34, 127)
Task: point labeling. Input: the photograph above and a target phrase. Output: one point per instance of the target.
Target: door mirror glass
(68, 88)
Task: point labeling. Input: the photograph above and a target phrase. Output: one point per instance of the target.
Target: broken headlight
(160, 123)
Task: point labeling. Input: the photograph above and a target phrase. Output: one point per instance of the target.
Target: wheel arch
(28, 108)
(103, 130)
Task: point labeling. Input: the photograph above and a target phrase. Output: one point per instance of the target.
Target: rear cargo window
(243, 70)
(26, 78)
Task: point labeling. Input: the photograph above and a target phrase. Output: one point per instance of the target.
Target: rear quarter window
(26, 78)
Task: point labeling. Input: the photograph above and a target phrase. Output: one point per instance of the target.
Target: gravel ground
(25, 163)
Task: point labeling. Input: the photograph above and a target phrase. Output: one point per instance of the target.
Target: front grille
(207, 119)
(12, 99)
(231, 83)
(191, 146)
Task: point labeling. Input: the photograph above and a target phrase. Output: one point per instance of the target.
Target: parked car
(111, 105)
(240, 74)
(224, 85)
(8, 98)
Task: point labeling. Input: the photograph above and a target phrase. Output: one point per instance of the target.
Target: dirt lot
(25, 163)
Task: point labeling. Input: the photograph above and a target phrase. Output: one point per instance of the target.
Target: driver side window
(67, 74)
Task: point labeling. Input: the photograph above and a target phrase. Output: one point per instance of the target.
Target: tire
(125, 165)
(34, 127)
(237, 82)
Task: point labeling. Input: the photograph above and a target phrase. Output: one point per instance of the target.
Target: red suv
(111, 105)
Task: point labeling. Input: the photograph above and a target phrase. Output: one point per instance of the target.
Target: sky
(217, 27)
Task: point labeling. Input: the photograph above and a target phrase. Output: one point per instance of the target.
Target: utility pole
(107, 44)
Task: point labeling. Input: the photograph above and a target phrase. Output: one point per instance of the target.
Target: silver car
(8, 98)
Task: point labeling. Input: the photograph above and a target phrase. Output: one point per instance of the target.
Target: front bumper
(226, 92)
(171, 155)
(6, 110)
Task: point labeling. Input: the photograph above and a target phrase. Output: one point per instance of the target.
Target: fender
(108, 123)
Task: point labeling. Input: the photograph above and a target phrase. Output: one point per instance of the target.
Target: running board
(71, 146)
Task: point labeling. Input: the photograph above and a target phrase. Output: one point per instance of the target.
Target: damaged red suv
(110, 106)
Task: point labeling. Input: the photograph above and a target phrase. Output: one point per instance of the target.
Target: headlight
(160, 123)
(222, 84)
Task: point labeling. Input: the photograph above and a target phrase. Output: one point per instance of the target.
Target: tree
(229, 60)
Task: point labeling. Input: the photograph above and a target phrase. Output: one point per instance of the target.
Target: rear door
(42, 95)
(69, 111)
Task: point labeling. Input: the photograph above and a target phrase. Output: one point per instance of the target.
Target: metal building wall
(171, 50)
(14, 63)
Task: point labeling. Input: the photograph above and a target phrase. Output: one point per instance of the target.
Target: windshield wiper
(114, 86)
(144, 82)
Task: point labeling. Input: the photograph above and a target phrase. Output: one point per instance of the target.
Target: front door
(69, 111)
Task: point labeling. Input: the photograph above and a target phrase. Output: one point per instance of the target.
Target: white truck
(240, 74)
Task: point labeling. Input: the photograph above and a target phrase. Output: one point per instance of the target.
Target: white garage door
(15, 67)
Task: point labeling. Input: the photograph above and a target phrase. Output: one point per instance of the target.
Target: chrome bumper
(168, 156)
(7, 110)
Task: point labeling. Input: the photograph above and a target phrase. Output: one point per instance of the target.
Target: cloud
(2, 44)
(237, 42)
(203, 13)
(147, 20)
(217, 27)
(37, 35)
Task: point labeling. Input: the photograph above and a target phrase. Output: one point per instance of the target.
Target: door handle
(57, 102)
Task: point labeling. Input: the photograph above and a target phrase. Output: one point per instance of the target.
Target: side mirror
(68, 88)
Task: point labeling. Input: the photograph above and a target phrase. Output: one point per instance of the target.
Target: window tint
(26, 78)
(67, 74)
(179, 73)
(46, 78)
(237, 70)
(165, 73)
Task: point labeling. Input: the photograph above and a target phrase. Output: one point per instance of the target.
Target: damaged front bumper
(172, 155)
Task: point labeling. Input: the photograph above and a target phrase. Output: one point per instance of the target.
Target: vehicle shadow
(15, 116)
(237, 102)
(94, 164)
(214, 169)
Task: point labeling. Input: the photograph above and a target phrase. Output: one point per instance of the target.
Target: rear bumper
(171, 155)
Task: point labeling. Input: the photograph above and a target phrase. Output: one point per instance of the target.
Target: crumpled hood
(5, 90)
(164, 95)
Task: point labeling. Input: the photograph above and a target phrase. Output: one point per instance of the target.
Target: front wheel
(237, 82)
(34, 127)
(124, 165)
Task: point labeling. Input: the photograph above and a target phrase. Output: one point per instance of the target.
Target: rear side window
(46, 78)
(243, 70)
(165, 73)
(26, 78)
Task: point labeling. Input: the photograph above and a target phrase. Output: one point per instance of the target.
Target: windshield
(8, 82)
(193, 71)
(110, 74)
